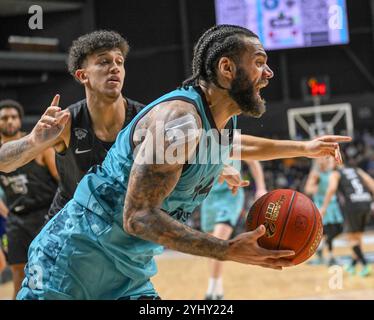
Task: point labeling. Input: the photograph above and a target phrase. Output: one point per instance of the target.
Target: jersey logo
(18, 183)
(77, 151)
(203, 189)
(80, 133)
(18, 208)
(180, 214)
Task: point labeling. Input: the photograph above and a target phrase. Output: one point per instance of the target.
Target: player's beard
(9, 133)
(242, 91)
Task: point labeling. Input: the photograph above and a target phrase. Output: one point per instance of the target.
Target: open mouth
(114, 80)
(260, 87)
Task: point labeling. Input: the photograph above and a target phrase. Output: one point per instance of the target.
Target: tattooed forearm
(15, 154)
(148, 186)
(157, 226)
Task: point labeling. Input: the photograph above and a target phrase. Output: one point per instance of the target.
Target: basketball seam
(287, 219)
(313, 230)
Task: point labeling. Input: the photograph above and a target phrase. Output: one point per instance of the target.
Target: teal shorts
(333, 213)
(221, 207)
(76, 257)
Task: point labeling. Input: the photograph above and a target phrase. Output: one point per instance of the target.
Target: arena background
(161, 35)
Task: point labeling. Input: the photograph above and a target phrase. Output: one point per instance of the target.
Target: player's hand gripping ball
(292, 222)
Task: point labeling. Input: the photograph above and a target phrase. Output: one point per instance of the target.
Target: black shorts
(21, 229)
(332, 230)
(356, 218)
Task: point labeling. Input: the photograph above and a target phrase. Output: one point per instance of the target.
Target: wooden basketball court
(185, 277)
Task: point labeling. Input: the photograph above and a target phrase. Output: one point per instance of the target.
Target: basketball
(292, 222)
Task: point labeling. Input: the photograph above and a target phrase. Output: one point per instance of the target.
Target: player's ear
(81, 76)
(226, 68)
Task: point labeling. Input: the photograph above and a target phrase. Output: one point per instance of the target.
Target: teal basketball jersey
(221, 206)
(102, 190)
(84, 251)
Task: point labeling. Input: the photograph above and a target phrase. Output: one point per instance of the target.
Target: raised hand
(326, 146)
(51, 124)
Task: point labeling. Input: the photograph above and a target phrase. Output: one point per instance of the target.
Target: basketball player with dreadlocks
(102, 244)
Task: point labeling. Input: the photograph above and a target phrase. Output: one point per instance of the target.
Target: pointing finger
(334, 138)
(338, 156)
(56, 100)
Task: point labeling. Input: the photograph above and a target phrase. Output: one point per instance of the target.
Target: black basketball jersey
(353, 188)
(85, 150)
(28, 188)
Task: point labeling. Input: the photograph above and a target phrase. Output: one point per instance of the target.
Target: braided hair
(222, 40)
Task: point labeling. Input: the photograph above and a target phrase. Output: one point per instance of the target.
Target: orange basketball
(292, 222)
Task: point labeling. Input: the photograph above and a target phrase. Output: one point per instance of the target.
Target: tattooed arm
(50, 130)
(150, 184)
(10, 154)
